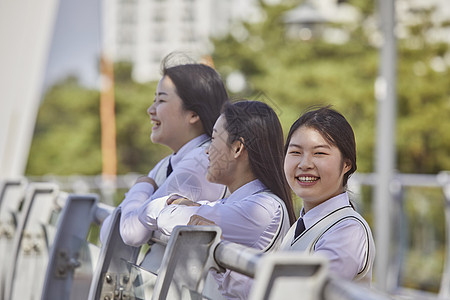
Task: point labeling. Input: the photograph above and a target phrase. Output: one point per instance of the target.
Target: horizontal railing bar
(237, 257)
(338, 289)
(420, 180)
(244, 260)
(102, 211)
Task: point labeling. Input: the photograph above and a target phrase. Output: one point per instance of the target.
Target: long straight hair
(257, 126)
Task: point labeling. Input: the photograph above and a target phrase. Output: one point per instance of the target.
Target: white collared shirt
(188, 178)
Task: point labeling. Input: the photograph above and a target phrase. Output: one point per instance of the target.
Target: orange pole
(108, 119)
(207, 60)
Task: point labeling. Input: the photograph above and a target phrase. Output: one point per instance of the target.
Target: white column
(385, 89)
(26, 28)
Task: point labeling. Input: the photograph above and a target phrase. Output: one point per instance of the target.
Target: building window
(158, 36)
(188, 15)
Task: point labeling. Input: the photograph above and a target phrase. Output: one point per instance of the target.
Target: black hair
(257, 126)
(333, 126)
(200, 88)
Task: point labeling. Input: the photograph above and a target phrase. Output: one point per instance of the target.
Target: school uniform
(335, 230)
(251, 216)
(188, 178)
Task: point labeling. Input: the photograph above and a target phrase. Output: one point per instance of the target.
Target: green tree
(67, 133)
(423, 99)
(67, 138)
(296, 74)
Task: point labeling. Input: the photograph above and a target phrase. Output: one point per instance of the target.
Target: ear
(193, 117)
(347, 166)
(238, 148)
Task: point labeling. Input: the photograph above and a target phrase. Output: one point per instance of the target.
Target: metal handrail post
(444, 291)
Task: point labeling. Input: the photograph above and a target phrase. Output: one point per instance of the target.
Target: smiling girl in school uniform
(186, 104)
(320, 157)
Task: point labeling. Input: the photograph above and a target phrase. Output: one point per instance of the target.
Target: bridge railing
(12, 194)
(30, 248)
(400, 236)
(39, 216)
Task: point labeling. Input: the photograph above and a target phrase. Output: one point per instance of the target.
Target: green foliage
(423, 110)
(425, 238)
(296, 74)
(67, 137)
(67, 133)
(290, 74)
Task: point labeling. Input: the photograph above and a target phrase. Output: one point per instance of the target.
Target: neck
(241, 180)
(186, 139)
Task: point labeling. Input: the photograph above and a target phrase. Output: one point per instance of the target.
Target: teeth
(307, 178)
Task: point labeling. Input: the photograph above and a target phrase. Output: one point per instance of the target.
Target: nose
(151, 110)
(305, 163)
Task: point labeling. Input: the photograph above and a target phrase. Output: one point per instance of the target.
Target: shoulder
(263, 200)
(194, 161)
(348, 224)
(195, 153)
(160, 164)
(349, 231)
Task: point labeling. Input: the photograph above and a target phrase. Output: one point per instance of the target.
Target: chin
(211, 178)
(155, 139)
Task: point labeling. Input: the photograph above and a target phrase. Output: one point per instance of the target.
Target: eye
(159, 100)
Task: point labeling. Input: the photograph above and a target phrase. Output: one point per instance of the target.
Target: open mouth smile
(307, 179)
(155, 123)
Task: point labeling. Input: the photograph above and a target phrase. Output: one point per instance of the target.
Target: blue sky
(75, 46)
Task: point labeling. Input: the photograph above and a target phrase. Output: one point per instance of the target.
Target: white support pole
(26, 28)
(385, 90)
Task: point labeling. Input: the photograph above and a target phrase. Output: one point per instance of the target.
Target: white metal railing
(277, 275)
(113, 270)
(398, 234)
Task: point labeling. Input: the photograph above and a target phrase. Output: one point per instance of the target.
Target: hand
(148, 180)
(199, 220)
(176, 199)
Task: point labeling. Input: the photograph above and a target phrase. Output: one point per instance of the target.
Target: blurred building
(144, 31)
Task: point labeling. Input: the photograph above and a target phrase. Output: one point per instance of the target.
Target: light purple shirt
(344, 244)
(188, 178)
(246, 217)
(250, 216)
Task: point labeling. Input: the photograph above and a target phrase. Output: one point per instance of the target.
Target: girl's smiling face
(314, 168)
(170, 120)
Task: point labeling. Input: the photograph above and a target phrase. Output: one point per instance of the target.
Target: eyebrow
(315, 147)
(161, 93)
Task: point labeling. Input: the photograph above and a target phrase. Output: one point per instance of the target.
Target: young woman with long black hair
(246, 155)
